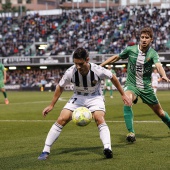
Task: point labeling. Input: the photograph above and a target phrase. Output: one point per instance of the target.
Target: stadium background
(22, 127)
(37, 38)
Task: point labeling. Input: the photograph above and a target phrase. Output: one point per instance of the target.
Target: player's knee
(99, 120)
(62, 120)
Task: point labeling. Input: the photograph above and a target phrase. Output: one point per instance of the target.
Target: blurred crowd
(103, 32)
(34, 77)
(37, 77)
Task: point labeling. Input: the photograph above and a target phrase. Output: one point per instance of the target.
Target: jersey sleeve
(66, 79)
(2, 68)
(124, 53)
(103, 73)
(156, 58)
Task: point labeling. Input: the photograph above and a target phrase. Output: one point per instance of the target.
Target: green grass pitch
(23, 131)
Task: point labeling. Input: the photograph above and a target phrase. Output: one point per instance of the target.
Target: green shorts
(2, 85)
(147, 95)
(108, 83)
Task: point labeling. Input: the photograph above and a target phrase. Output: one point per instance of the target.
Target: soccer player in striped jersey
(3, 81)
(140, 60)
(86, 78)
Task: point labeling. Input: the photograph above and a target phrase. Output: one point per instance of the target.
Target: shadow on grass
(81, 149)
(150, 137)
(122, 138)
(57, 157)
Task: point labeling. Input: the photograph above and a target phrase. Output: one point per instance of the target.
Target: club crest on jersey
(94, 82)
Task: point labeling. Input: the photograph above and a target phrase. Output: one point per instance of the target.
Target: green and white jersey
(113, 72)
(1, 72)
(139, 65)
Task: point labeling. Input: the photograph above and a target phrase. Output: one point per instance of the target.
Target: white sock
(52, 136)
(105, 135)
(155, 90)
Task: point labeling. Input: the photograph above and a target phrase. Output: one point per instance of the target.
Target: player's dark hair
(147, 30)
(80, 53)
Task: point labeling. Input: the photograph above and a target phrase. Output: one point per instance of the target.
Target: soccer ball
(82, 116)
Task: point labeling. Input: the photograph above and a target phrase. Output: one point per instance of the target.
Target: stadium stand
(102, 32)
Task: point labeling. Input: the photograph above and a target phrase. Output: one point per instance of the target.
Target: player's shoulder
(71, 70)
(96, 68)
(152, 51)
(132, 47)
(153, 54)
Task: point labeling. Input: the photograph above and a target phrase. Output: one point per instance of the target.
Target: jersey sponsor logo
(139, 68)
(94, 82)
(85, 89)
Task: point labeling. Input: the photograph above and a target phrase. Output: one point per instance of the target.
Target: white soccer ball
(82, 116)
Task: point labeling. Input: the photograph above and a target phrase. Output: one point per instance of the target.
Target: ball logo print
(82, 116)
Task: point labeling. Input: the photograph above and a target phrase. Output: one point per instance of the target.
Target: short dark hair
(80, 53)
(147, 30)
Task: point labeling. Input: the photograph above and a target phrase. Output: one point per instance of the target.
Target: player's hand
(127, 101)
(166, 79)
(47, 110)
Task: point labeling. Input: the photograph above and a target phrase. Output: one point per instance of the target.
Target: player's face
(145, 41)
(82, 65)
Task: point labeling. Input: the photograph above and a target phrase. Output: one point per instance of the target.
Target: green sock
(166, 119)
(128, 116)
(111, 92)
(104, 91)
(5, 94)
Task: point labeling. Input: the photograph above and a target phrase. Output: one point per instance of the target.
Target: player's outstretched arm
(162, 72)
(110, 60)
(127, 101)
(56, 96)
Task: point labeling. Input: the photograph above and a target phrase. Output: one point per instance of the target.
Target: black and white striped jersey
(86, 85)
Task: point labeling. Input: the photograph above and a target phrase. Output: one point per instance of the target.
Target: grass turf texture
(23, 131)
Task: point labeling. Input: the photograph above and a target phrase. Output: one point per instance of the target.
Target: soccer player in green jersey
(108, 84)
(140, 60)
(3, 81)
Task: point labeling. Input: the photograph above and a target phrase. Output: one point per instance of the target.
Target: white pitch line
(48, 101)
(92, 121)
